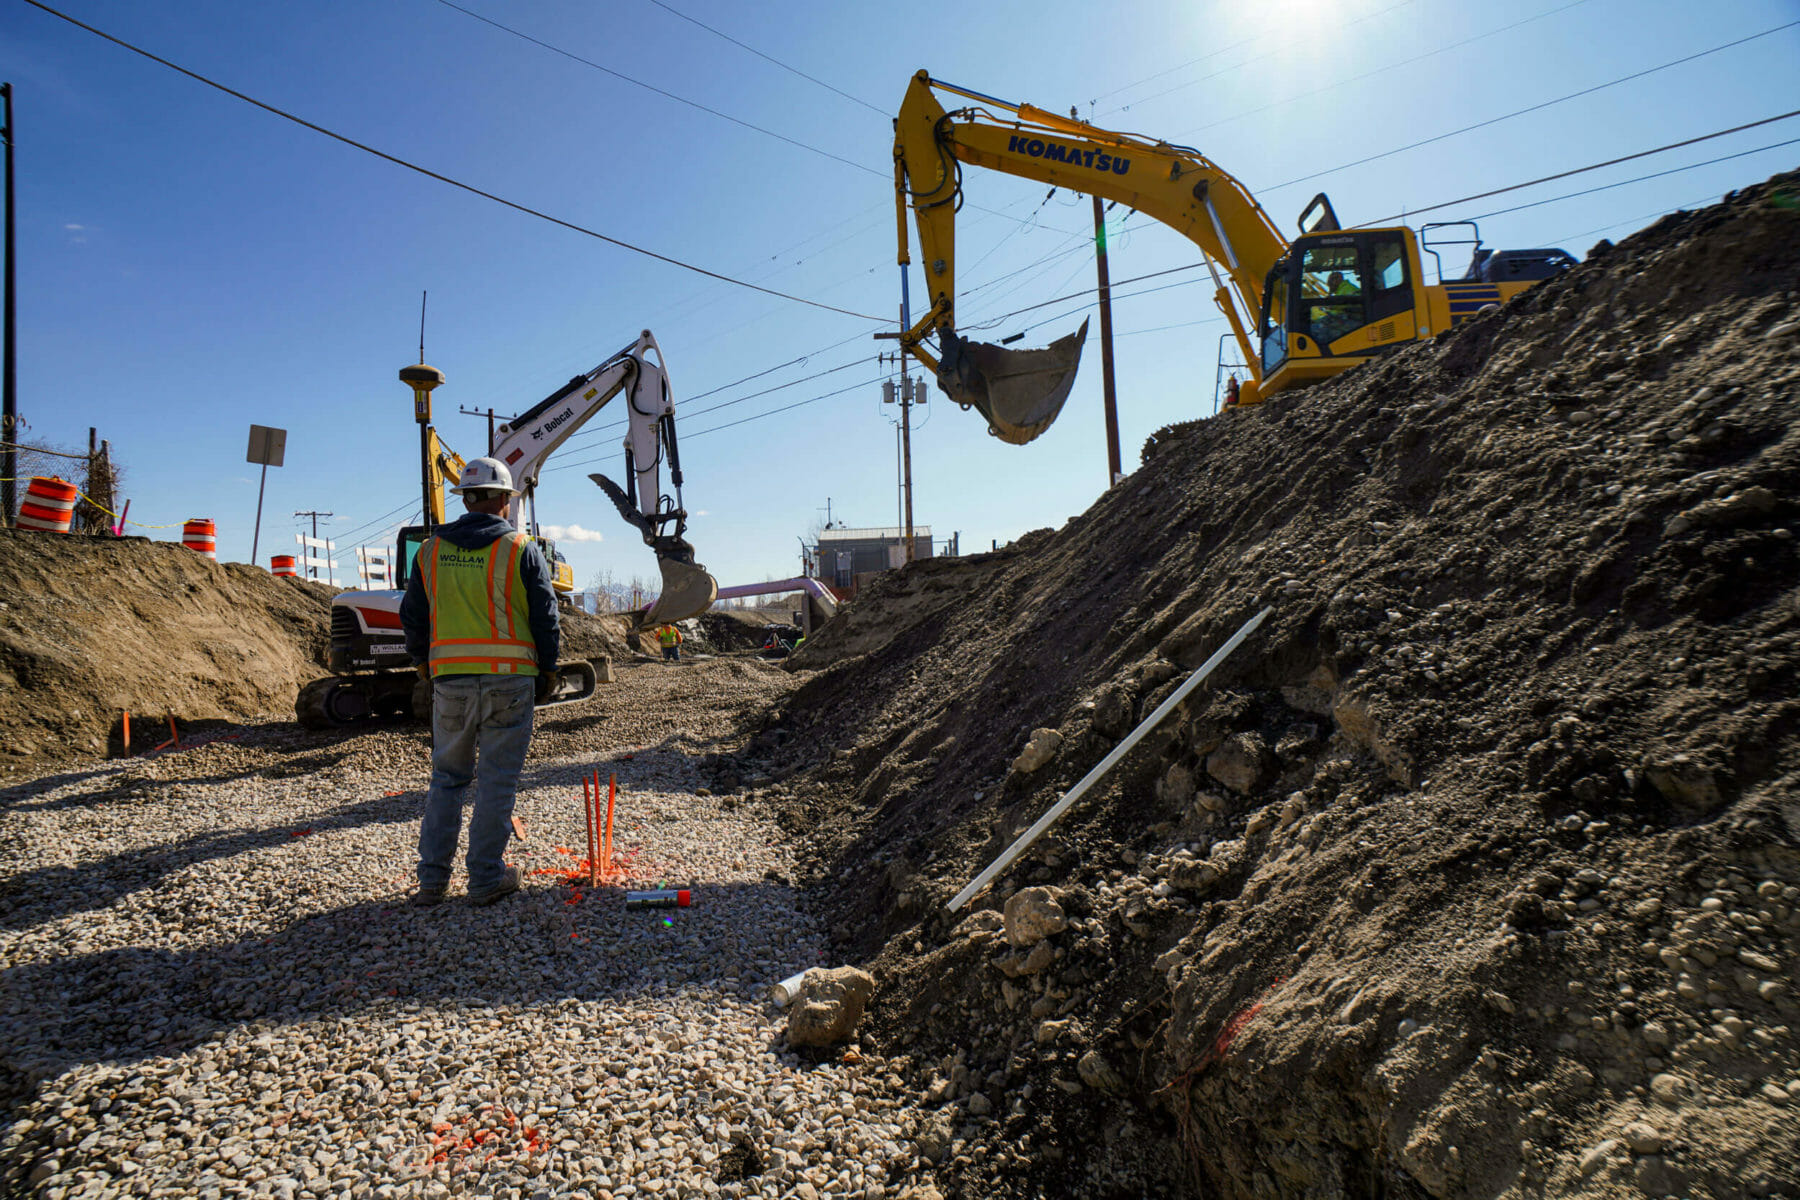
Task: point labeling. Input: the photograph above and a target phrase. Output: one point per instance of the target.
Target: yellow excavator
(1301, 311)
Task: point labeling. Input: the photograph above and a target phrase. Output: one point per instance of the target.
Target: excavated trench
(1476, 872)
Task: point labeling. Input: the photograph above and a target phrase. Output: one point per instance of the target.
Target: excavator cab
(1336, 297)
(1020, 392)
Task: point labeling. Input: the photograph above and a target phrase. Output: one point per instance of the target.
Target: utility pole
(903, 447)
(906, 441)
(1110, 398)
(9, 422)
(489, 414)
(315, 532)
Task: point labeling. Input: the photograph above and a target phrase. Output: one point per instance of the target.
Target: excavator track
(348, 701)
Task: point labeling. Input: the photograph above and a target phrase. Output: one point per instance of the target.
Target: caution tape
(109, 512)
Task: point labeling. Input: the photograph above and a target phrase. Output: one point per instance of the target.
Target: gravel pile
(215, 988)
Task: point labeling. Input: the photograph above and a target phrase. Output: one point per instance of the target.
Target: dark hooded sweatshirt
(477, 531)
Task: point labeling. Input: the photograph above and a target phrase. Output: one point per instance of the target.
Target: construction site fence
(94, 472)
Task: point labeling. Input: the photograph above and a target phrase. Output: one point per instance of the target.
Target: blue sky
(190, 264)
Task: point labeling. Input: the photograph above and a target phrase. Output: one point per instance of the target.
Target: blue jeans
(492, 714)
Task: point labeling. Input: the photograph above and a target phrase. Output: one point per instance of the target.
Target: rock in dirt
(830, 1003)
(1032, 915)
(1038, 751)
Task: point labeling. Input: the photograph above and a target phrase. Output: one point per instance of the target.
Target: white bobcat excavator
(372, 675)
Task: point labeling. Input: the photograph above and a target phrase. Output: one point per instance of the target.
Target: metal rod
(9, 413)
(256, 534)
(425, 470)
(1106, 764)
(1107, 391)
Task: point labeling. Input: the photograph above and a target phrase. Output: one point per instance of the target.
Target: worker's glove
(424, 670)
(546, 683)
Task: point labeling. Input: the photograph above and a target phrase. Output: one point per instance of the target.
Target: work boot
(509, 883)
(425, 897)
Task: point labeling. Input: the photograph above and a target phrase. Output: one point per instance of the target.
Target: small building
(843, 554)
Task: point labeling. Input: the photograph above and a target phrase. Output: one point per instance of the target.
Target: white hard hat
(485, 475)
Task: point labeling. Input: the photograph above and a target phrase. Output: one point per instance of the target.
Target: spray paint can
(660, 898)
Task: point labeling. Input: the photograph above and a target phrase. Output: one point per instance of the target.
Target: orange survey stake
(612, 792)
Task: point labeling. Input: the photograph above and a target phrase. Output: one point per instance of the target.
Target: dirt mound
(595, 638)
(1475, 872)
(91, 627)
(96, 626)
(727, 631)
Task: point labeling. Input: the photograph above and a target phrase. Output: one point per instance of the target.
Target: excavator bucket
(1020, 392)
(687, 591)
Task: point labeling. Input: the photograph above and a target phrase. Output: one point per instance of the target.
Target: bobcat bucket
(1020, 392)
(687, 591)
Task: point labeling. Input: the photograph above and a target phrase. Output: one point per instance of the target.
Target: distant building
(843, 554)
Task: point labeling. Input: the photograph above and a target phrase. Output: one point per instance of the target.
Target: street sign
(267, 446)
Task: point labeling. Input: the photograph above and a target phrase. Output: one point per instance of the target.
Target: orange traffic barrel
(49, 505)
(283, 564)
(198, 534)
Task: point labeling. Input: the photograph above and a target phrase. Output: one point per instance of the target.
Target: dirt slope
(94, 626)
(1475, 872)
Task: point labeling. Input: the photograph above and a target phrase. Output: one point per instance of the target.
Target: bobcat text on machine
(372, 675)
(1317, 306)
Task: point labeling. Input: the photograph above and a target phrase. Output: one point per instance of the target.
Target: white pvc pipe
(1106, 764)
(785, 991)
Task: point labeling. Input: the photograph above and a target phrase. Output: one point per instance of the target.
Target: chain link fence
(94, 473)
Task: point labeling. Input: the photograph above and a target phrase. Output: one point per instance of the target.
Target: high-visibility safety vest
(668, 635)
(480, 617)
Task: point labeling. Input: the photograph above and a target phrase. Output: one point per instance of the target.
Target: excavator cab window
(1274, 317)
(1332, 282)
(1388, 261)
(407, 548)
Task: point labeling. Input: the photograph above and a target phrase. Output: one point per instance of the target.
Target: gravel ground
(213, 987)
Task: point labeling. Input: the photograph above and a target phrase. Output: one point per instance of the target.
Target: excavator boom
(637, 372)
(1021, 391)
(1300, 311)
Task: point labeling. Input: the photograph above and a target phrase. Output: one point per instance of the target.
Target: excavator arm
(525, 443)
(1021, 391)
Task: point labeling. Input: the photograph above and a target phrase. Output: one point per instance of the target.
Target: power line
(1238, 66)
(784, 408)
(346, 537)
(1641, 178)
(1393, 66)
(1611, 162)
(426, 171)
(1521, 112)
(1659, 213)
(728, 403)
(650, 87)
(767, 58)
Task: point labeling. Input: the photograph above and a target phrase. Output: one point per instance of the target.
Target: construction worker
(670, 639)
(481, 627)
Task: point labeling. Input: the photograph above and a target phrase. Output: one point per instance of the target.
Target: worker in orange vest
(670, 639)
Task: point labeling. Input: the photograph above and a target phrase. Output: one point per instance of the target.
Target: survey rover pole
(9, 423)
